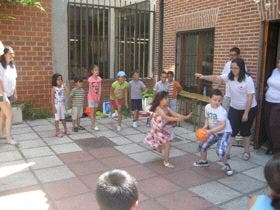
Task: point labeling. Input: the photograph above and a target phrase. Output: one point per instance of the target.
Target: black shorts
(136, 104)
(235, 118)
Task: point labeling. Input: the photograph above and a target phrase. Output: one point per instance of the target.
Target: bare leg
(93, 117)
(230, 145)
(203, 155)
(64, 125)
(166, 149)
(2, 124)
(78, 121)
(246, 143)
(56, 124)
(6, 110)
(136, 115)
(74, 123)
(119, 115)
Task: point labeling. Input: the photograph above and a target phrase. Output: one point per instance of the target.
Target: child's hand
(199, 76)
(208, 133)
(188, 116)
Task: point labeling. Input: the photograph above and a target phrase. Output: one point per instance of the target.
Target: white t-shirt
(8, 77)
(226, 70)
(273, 93)
(215, 116)
(239, 91)
(160, 86)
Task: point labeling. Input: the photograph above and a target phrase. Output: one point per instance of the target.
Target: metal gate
(114, 34)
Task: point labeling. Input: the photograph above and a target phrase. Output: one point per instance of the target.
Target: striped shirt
(78, 95)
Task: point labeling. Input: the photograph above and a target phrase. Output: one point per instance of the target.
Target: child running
(94, 94)
(77, 95)
(58, 91)
(137, 87)
(218, 130)
(118, 96)
(162, 115)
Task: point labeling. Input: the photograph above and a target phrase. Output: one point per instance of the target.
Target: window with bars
(195, 51)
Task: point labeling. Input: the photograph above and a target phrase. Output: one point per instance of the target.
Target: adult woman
(8, 75)
(243, 105)
(272, 111)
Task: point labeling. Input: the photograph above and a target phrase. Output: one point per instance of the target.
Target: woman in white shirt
(8, 75)
(272, 111)
(243, 105)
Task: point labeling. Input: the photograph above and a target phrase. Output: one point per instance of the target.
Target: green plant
(30, 113)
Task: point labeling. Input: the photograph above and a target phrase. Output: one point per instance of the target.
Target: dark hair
(235, 49)
(216, 92)
(170, 73)
(163, 72)
(3, 61)
(54, 79)
(116, 190)
(78, 79)
(135, 72)
(92, 67)
(242, 70)
(157, 99)
(272, 176)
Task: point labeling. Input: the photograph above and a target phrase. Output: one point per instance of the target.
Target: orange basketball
(87, 111)
(201, 134)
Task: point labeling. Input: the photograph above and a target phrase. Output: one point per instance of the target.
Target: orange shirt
(175, 88)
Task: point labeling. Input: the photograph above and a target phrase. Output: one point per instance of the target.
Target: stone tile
(74, 157)
(55, 140)
(89, 167)
(10, 156)
(215, 192)
(54, 174)
(37, 152)
(190, 136)
(31, 144)
(48, 127)
(265, 191)
(140, 172)
(239, 203)
(239, 165)
(107, 133)
(17, 180)
(66, 148)
(136, 137)
(157, 186)
(9, 168)
(21, 130)
(7, 147)
(26, 137)
(213, 172)
(104, 152)
(145, 157)
(118, 161)
(90, 180)
(259, 158)
(144, 129)
(150, 204)
(46, 134)
(176, 152)
(188, 147)
(119, 140)
(181, 200)
(242, 183)
(20, 125)
(44, 162)
(85, 201)
(82, 136)
(256, 173)
(65, 188)
(130, 148)
(129, 131)
(39, 122)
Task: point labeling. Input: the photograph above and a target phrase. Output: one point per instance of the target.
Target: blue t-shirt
(263, 202)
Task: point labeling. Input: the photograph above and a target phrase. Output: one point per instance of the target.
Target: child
(174, 88)
(161, 116)
(162, 84)
(136, 89)
(118, 96)
(58, 103)
(77, 95)
(218, 130)
(94, 94)
(272, 176)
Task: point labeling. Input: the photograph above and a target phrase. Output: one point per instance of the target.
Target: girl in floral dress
(162, 115)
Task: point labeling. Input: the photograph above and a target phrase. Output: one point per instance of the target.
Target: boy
(137, 87)
(174, 88)
(161, 85)
(218, 130)
(77, 95)
(116, 190)
(118, 96)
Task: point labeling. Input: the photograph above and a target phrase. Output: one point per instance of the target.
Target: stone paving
(45, 172)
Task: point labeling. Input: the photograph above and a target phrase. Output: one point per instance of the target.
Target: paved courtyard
(45, 172)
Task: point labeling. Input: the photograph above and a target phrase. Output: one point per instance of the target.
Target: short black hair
(170, 73)
(135, 72)
(54, 79)
(235, 49)
(116, 190)
(78, 79)
(216, 92)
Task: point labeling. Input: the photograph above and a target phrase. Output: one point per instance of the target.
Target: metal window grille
(89, 29)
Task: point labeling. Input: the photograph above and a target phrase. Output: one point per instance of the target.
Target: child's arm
(184, 117)
(221, 126)
(168, 118)
(52, 101)
(67, 91)
(99, 91)
(206, 124)
(126, 97)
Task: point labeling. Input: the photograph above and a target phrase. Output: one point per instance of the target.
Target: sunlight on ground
(33, 200)
(9, 170)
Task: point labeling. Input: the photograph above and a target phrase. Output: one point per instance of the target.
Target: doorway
(270, 56)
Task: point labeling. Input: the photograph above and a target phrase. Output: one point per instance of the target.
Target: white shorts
(60, 112)
(77, 112)
(92, 104)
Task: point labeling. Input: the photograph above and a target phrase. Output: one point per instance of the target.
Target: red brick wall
(30, 36)
(238, 24)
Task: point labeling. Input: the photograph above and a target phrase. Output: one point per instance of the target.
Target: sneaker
(134, 124)
(168, 164)
(119, 128)
(81, 128)
(75, 129)
(96, 128)
(201, 163)
(228, 170)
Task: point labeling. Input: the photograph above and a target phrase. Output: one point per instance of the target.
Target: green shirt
(118, 90)
(78, 95)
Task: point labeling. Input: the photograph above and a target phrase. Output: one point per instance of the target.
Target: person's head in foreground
(116, 190)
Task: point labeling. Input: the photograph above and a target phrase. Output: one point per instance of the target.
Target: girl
(58, 103)
(94, 94)
(162, 115)
(272, 176)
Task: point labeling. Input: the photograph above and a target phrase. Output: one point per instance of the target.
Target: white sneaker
(119, 128)
(96, 128)
(134, 125)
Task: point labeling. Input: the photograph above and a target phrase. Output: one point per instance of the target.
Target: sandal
(168, 164)
(246, 156)
(12, 142)
(59, 134)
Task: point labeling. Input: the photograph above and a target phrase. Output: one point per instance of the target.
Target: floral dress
(159, 132)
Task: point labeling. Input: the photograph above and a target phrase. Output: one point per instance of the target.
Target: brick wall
(30, 36)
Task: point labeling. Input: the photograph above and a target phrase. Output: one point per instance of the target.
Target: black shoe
(201, 163)
(268, 152)
(75, 129)
(81, 128)
(228, 170)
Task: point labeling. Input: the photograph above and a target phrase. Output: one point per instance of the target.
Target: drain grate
(93, 143)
